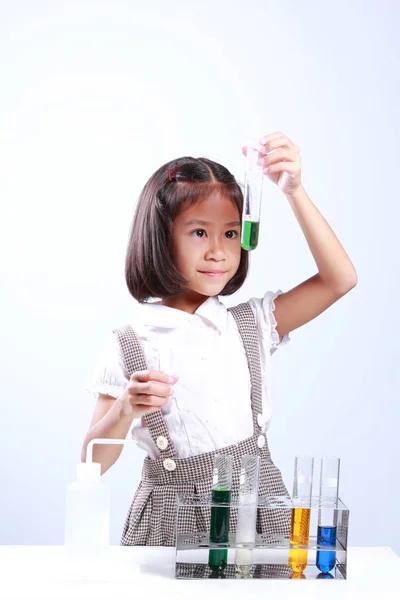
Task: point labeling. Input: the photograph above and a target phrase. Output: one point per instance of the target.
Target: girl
(192, 377)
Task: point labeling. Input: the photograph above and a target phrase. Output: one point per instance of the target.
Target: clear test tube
(253, 181)
(219, 524)
(327, 513)
(300, 524)
(247, 513)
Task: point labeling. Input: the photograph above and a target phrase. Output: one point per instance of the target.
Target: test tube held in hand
(253, 182)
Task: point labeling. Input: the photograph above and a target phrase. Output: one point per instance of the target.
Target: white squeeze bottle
(87, 516)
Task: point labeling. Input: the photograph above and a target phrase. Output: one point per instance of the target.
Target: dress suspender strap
(135, 361)
(246, 324)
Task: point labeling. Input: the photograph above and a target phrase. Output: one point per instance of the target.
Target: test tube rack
(271, 550)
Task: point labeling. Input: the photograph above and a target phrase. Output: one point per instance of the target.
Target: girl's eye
(199, 233)
(231, 234)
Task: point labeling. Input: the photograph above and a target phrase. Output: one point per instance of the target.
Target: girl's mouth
(213, 274)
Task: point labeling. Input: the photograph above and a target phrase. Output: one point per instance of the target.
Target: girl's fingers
(271, 136)
(277, 156)
(280, 142)
(148, 400)
(289, 167)
(154, 376)
(153, 389)
(272, 142)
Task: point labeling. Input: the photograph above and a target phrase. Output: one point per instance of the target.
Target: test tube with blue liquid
(220, 512)
(253, 182)
(327, 513)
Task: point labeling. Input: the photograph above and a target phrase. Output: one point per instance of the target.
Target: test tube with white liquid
(247, 514)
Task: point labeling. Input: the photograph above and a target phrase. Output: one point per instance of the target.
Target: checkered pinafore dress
(151, 517)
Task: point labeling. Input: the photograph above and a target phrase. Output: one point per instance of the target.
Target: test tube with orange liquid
(301, 511)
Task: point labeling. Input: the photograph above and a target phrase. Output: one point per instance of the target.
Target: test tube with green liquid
(220, 511)
(253, 181)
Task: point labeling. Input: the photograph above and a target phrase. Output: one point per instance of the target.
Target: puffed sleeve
(263, 309)
(109, 375)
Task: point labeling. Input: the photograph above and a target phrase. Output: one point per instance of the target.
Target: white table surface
(133, 572)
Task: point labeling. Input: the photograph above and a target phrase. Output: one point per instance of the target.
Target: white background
(95, 96)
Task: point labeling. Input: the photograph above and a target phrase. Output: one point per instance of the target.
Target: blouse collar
(211, 311)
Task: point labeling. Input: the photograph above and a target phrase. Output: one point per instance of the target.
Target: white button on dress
(260, 441)
(162, 442)
(169, 464)
(259, 420)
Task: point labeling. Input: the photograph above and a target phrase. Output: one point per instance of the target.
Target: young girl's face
(206, 245)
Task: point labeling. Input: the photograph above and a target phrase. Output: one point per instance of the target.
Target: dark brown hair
(149, 267)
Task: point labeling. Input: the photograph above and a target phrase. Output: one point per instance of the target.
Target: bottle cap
(88, 471)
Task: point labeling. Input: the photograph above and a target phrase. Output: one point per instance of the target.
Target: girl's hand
(147, 392)
(281, 162)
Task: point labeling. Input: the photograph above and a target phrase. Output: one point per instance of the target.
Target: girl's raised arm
(336, 276)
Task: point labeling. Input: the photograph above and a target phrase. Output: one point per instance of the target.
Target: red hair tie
(171, 178)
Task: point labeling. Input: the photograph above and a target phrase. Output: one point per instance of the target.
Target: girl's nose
(215, 250)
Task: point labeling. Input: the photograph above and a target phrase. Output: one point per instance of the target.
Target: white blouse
(210, 408)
